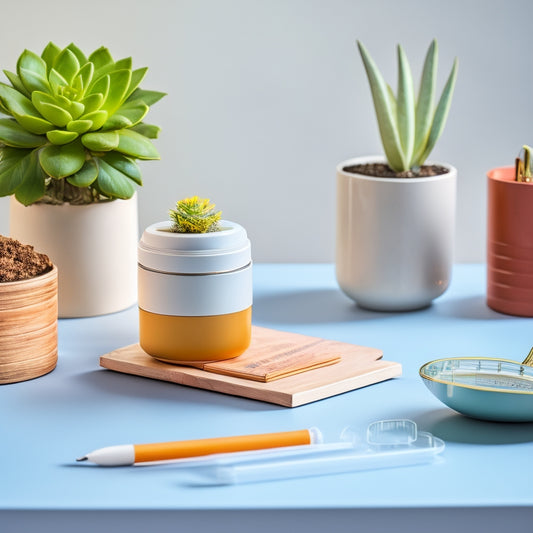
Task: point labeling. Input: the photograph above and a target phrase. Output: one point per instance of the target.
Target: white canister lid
(225, 250)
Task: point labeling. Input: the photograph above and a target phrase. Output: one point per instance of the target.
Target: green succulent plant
(75, 127)
(409, 126)
(195, 215)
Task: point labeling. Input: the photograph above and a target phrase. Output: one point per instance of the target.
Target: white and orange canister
(195, 293)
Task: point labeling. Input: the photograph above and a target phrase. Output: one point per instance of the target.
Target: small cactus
(195, 215)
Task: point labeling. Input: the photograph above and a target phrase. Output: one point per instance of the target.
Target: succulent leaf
(17, 84)
(62, 161)
(85, 75)
(50, 52)
(124, 164)
(136, 145)
(33, 186)
(80, 56)
(60, 137)
(101, 86)
(16, 102)
(85, 176)
(92, 102)
(36, 125)
(31, 70)
(10, 174)
(100, 58)
(128, 115)
(101, 141)
(67, 65)
(79, 126)
(98, 119)
(55, 114)
(148, 97)
(113, 182)
(14, 135)
(137, 77)
(119, 81)
(148, 130)
(386, 121)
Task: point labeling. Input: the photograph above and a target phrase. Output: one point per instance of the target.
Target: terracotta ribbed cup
(509, 243)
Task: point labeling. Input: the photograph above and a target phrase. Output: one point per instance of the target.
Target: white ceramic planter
(195, 293)
(93, 246)
(395, 237)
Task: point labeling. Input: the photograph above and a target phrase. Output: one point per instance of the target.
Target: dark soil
(382, 170)
(20, 261)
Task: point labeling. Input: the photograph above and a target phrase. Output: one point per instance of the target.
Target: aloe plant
(75, 127)
(195, 215)
(409, 126)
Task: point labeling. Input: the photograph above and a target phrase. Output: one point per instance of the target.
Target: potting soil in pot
(20, 261)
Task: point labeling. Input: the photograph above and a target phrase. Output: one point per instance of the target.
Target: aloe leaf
(67, 65)
(147, 130)
(148, 97)
(80, 126)
(17, 84)
(49, 54)
(136, 145)
(92, 102)
(33, 185)
(119, 83)
(85, 176)
(441, 113)
(114, 183)
(101, 141)
(10, 175)
(125, 165)
(426, 95)
(62, 161)
(16, 102)
(386, 120)
(405, 106)
(61, 136)
(98, 119)
(15, 135)
(34, 124)
(126, 116)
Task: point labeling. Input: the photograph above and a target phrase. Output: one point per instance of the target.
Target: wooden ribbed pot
(28, 327)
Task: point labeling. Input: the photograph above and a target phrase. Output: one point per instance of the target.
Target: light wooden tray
(358, 367)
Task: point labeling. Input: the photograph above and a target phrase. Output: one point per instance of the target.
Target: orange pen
(129, 454)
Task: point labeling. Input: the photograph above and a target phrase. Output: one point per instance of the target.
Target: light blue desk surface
(484, 481)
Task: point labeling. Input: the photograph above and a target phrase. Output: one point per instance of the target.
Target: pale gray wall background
(266, 97)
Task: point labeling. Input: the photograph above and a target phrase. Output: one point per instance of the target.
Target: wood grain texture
(358, 367)
(28, 328)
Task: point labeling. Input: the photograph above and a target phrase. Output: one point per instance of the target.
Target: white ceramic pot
(395, 237)
(93, 246)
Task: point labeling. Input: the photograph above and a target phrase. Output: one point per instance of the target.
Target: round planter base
(28, 328)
